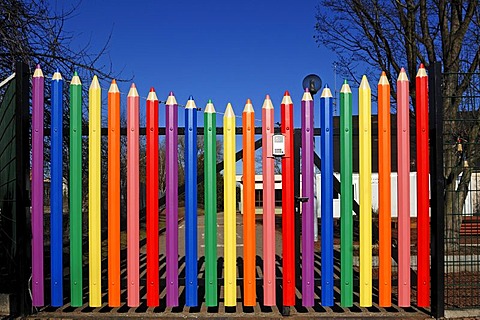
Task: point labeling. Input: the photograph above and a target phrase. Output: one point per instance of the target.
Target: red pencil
(152, 200)
(423, 229)
(288, 204)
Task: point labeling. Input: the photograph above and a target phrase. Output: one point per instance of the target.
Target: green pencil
(210, 205)
(346, 202)
(76, 261)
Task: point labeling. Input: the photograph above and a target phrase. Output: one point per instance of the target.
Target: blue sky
(226, 51)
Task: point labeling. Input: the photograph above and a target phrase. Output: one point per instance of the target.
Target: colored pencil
(76, 233)
(249, 233)
(113, 195)
(384, 193)
(133, 204)
(308, 206)
(94, 194)
(403, 189)
(423, 229)
(288, 202)
(152, 200)
(56, 191)
(230, 212)
(326, 154)
(38, 83)
(191, 243)
(365, 172)
(346, 199)
(210, 167)
(171, 137)
(268, 162)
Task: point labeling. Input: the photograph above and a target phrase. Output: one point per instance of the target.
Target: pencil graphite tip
(287, 99)
(57, 76)
(326, 93)
(38, 72)
(95, 84)
(75, 73)
(345, 88)
(364, 83)
(75, 80)
(210, 108)
(190, 103)
(307, 96)
(113, 87)
(248, 106)
(229, 111)
(133, 91)
(38, 66)
(171, 101)
(190, 97)
(152, 96)
(421, 71)
(286, 93)
(402, 76)
(383, 79)
(267, 103)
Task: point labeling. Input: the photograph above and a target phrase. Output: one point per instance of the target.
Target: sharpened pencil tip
(286, 93)
(190, 103)
(133, 91)
(402, 76)
(171, 99)
(364, 83)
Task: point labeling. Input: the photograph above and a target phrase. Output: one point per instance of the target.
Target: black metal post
(22, 301)
(437, 189)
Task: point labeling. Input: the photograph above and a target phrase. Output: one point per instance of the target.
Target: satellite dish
(312, 82)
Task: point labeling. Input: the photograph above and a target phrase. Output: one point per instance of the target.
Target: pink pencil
(37, 187)
(268, 204)
(133, 206)
(403, 189)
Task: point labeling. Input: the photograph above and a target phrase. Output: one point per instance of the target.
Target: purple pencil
(37, 187)
(172, 200)
(307, 207)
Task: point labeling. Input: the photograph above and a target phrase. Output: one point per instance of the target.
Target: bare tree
(33, 32)
(388, 35)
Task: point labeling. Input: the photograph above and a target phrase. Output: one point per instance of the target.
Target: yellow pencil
(94, 207)
(365, 164)
(230, 230)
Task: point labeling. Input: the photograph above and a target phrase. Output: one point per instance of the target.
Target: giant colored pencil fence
(270, 274)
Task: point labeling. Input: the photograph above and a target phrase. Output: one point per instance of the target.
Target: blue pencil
(56, 190)
(326, 153)
(191, 203)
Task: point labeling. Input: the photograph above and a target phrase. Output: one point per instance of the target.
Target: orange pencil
(113, 195)
(249, 255)
(384, 191)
